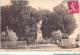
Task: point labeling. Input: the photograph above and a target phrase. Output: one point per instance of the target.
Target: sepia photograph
(39, 25)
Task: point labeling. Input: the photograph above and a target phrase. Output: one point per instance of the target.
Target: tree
(17, 17)
(58, 20)
(12, 16)
(65, 21)
(5, 21)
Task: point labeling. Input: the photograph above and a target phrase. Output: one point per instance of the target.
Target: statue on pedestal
(39, 32)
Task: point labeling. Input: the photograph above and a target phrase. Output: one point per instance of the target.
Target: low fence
(12, 44)
(69, 43)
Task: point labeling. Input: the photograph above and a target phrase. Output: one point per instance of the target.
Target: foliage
(58, 20)
(66, 22)
(11, 36)
(17, 18)
(22, 19)
(4, 37)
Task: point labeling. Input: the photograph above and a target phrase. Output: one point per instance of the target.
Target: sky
(47, 4)
(37, 3)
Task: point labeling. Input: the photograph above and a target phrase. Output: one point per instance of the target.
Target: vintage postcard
(39, 26)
